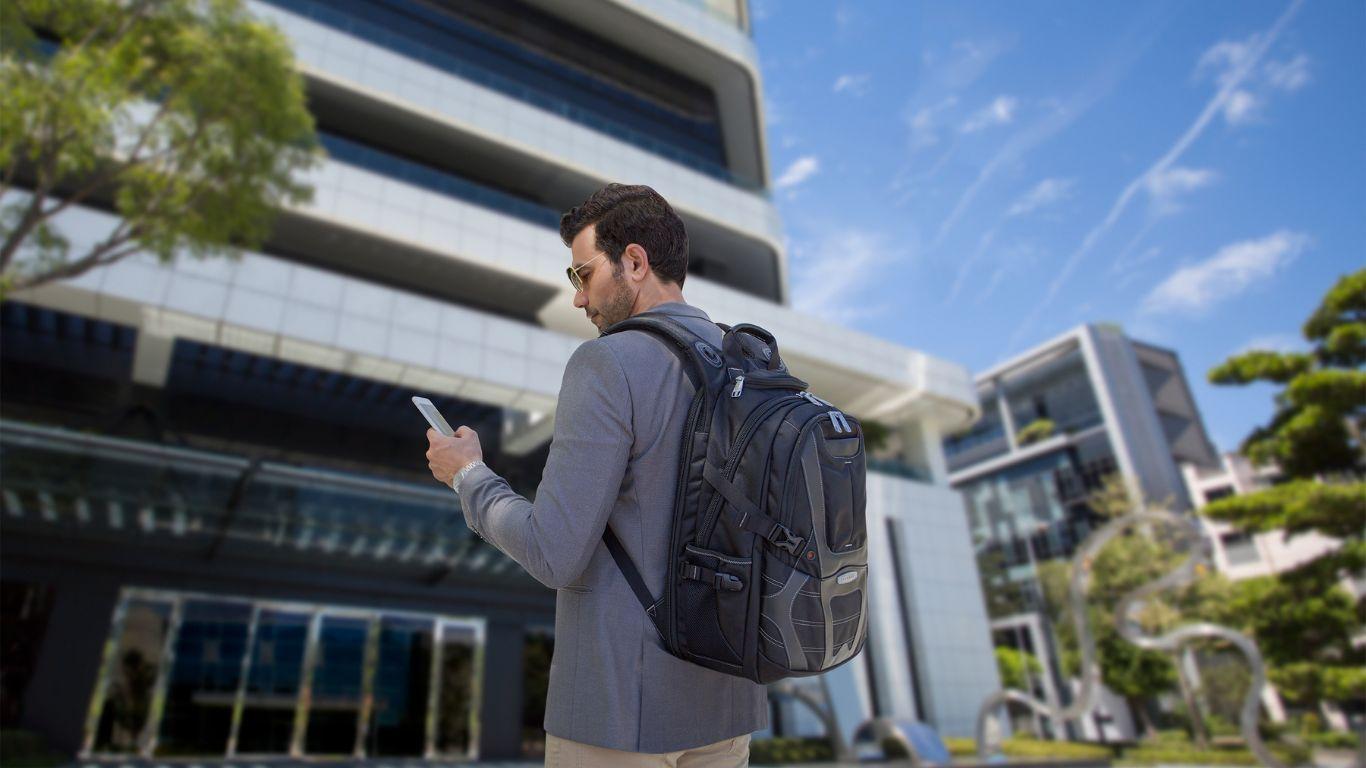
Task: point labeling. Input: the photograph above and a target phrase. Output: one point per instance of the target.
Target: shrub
(790, 750)
(1333, 740)
(1035, 431)
(1187, 755)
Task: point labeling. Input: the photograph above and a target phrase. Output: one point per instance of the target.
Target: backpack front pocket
(809, 624)
(713, 604)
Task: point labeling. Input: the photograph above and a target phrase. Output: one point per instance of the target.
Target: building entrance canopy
(170, 499)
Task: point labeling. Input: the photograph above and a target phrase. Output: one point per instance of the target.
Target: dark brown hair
(622, 214)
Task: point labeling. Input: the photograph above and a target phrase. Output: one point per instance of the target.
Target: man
(616, 696)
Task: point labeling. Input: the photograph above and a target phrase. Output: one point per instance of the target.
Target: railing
(114, 489)
(1077, 484)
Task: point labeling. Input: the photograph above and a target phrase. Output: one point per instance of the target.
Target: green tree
(1128, 562)
(186, 118)
(1017, 668)
(1302, 620)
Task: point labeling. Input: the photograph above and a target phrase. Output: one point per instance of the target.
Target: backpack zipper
(733, 458)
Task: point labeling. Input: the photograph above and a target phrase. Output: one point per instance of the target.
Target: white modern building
(1241, 555)
(220, 536)
(1057, 419)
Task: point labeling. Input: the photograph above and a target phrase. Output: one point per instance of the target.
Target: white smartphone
(433, 416)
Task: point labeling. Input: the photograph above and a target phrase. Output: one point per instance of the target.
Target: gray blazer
(614, 461)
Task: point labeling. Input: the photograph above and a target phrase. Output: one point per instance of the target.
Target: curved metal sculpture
(1130, 630)
(825, 710)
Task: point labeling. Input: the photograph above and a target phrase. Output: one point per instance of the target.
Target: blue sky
(971, 179)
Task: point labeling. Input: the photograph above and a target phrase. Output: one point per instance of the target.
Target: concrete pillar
(58, 696)
(1003, 407)
(500, 721)
(922, 447)
(152, 358)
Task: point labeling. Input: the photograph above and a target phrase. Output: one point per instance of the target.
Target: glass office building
(1057, 421)
(220, 537)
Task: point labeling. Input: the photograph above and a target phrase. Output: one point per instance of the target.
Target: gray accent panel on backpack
(796, 659)
(831, 589)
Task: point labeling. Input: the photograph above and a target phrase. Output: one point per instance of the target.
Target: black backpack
(768, 573)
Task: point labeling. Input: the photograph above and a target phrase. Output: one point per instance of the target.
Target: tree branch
(116, 170)
(98, 256)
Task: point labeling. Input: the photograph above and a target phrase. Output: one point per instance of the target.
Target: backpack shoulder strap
(691, 349)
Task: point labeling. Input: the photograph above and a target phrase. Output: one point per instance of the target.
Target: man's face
(606, 297)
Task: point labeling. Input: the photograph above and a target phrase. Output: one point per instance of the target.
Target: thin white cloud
(799, 171)
(1275, 342)
(1213, 107)
(1168, 184)
(1230, 60)
(966, 268)
(1226, 57)
(1000, 111)
(854, 84)
(832, 279)
(1288, 75)
(1045, 193)
(1226, 274)
(923, 122)
(1241, 107)
(1101, 82)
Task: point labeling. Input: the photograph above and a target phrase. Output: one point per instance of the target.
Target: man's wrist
(455, 481)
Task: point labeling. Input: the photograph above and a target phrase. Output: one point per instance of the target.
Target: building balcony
(473, 117)
(509, 350)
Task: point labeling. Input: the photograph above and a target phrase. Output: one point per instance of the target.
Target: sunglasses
(575, 279)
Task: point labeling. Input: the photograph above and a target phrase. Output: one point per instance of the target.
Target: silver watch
(455, 481)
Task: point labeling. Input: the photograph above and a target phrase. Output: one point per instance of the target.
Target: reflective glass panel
(336, 696)
(398, 723)
(204, 677)
(537, 651)
(272, 692)
(456, 692)
(132, 679)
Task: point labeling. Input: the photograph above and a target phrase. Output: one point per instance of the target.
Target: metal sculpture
(1130, 630)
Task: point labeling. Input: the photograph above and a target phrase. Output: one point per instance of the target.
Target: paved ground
(1322, 759)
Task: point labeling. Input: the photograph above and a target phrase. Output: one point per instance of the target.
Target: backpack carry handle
(773, 362)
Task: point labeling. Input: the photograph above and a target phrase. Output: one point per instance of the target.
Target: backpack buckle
(785, 539)
(729, 583)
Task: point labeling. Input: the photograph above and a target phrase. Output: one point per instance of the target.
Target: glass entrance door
(206, 675)
(402, 684)
(458, 663)
(120, 710)
(274, 679)
(336, 683)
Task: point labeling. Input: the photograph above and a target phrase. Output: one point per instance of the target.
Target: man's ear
(639, 264)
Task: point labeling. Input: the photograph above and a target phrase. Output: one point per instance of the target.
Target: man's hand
(448, 455)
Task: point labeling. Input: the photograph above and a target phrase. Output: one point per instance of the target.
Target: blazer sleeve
(554, 537)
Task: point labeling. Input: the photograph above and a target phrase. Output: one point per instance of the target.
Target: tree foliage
(1017, 668)
(186, 118)
(1302, 619)
(1126, 563)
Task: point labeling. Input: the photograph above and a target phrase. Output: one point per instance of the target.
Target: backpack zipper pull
(739, 386)
(841, 426)
(816, 400)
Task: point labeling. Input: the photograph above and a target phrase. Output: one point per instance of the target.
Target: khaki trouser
(563, 753)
